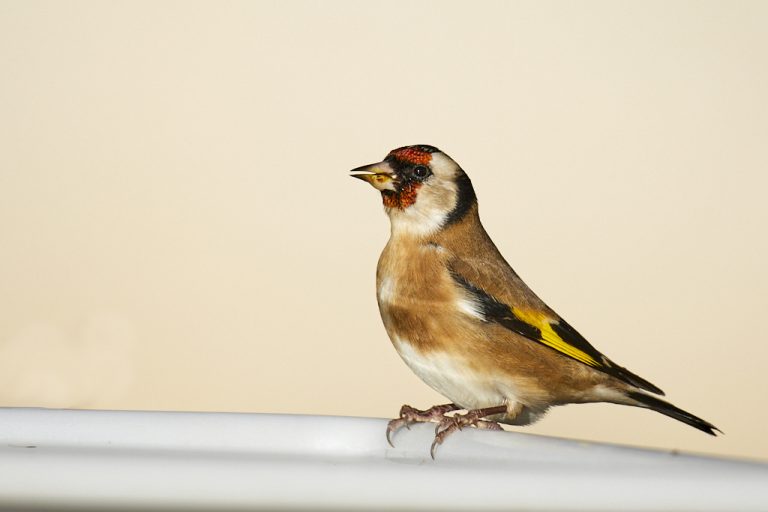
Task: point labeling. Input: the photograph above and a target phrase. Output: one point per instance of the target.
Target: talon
(389, 441)
(432, 449)
(409, 416)
(450, 424)
(393, 426)
(444, 424)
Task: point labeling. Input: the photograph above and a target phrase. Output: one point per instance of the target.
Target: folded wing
(540, 325)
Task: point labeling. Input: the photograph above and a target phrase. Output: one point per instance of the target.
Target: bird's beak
(380, 176)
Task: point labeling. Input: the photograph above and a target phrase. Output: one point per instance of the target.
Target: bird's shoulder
(470, 256)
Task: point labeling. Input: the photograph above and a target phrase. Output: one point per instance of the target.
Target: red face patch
(402, 199)
(412, 155)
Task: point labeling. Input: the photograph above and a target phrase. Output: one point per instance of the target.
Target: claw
(450, 424)
(444, 424)
(390, 428)
(432, 448)
(409, 415)
(394, 426)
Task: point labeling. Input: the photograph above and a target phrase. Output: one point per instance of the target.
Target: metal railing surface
(101, 460)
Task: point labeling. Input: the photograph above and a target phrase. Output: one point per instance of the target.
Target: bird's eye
(420, 171)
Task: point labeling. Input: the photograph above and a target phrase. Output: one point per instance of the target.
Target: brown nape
(403, 198)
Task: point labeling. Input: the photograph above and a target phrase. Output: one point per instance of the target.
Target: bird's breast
(414, 292)
(429, 325)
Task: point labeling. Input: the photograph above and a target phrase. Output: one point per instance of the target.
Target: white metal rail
(81, 460)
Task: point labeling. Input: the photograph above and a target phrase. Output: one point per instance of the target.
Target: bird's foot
(409, 416)
(474, 418)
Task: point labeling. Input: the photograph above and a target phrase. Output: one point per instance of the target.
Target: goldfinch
(466, 324)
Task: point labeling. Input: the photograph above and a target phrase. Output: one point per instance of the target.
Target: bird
(464, 321)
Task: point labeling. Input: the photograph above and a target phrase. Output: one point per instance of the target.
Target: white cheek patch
(435, 199)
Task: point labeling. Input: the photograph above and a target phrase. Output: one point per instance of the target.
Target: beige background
(179, 232)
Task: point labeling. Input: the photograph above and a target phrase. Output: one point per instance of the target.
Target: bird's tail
(659, 405)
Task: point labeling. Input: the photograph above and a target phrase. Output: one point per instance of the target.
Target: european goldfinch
(466, 324)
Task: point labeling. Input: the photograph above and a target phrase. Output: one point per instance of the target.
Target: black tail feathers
(670, 410)
(637, 381)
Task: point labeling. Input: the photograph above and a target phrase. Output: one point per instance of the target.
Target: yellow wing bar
(550, 338)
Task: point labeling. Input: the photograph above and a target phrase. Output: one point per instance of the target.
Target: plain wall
(179, 231)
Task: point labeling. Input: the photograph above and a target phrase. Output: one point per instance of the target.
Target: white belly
(449, 376)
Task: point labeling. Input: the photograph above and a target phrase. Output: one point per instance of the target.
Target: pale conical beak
(380, 176)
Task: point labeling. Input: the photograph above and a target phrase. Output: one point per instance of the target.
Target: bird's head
(423, 189)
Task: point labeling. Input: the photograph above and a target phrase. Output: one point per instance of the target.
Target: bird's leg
(474, 418)
(409, 415)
